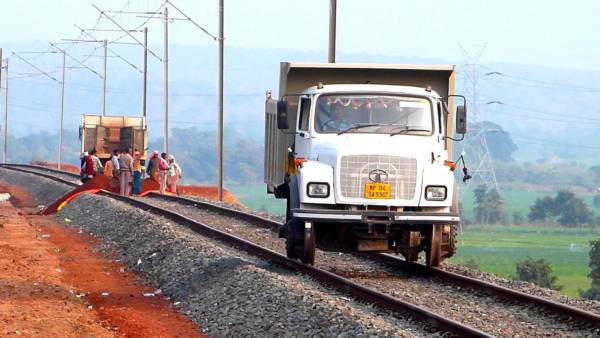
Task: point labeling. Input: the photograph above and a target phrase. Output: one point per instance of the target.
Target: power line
(544, 118)
(551, 142)
(535, 82)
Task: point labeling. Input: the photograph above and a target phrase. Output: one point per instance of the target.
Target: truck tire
(293, 231)
(433, 247)
(308, 254)
(449, 239)
(449, 242)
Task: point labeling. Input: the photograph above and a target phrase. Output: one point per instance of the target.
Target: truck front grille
(355, 169)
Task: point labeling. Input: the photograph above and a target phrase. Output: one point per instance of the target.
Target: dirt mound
(208, 192)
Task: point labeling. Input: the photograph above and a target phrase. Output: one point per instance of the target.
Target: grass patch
(255, 196)
(497, 249)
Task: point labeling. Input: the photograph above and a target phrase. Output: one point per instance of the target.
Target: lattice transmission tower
(478, 155)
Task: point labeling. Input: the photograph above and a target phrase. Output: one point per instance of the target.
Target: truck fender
(318, 172)
(293, 200)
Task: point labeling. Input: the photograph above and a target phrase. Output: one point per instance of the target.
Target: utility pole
(105, 43)
(145, 99)
(166, 79)
(220, 132)
(332, 30)
(1, 79)
(5, 152)
(62, 109)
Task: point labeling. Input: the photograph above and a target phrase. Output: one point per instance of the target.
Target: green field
(495, 249)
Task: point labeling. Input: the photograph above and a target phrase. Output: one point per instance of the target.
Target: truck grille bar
(355, 169)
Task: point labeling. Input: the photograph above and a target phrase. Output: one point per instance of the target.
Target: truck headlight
(317, 190)
(435, 193)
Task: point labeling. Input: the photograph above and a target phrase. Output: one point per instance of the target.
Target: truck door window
(304, 113)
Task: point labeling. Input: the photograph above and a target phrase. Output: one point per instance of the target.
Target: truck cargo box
(107, 133)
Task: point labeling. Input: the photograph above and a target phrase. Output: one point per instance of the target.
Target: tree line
(565, 209)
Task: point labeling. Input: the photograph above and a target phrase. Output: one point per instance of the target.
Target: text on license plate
(378, 191)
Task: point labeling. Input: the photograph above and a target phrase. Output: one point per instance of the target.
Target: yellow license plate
(380, 191)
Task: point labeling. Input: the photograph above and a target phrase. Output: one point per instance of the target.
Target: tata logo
(378, 175)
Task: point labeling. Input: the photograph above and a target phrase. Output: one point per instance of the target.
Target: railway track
(354, 284)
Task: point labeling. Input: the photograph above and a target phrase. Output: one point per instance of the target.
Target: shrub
(594, 291)
(537, 272)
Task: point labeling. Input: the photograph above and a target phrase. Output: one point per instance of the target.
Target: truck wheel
(291, 245)
(433, 247)
(292, 202)
(449, 242)
(300, 242)
(411, 239)
(308, 254)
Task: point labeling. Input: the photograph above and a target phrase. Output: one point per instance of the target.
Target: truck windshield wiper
(358, 126)
(407, 129)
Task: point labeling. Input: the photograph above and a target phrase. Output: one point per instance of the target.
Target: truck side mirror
(282, 115)
(461, 119)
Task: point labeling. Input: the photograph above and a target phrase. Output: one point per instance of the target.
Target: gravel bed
(226, 292)
(470, 306)
(42, 190)
(525, 287)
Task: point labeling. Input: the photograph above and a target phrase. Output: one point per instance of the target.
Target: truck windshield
(372, 114)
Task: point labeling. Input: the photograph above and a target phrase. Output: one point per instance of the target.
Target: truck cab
(368, 164)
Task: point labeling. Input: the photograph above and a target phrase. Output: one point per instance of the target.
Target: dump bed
(107, 133)
(296, 77)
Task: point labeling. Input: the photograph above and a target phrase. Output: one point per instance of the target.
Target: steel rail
(587, 318)
(429, 319)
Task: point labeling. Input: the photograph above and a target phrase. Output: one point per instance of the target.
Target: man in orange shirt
(137, 172)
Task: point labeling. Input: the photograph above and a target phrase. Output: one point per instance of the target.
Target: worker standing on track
(153, 166)
(137, 172)
(126, 170)
(88, 168)
(108, 168)
(163, 167)
(98, 168)
(82, 166)
(115, 170)
(174, 174)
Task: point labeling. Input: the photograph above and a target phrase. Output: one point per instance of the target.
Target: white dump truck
(363, 155)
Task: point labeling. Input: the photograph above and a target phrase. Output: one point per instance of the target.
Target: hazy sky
(559, 33)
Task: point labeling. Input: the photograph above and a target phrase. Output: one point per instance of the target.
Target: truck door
(88, 139)
(302, 130)
(126, 138)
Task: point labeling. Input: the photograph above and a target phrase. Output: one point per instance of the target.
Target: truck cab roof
(371, 88)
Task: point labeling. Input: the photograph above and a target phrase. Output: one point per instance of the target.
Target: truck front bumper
(374, 217)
